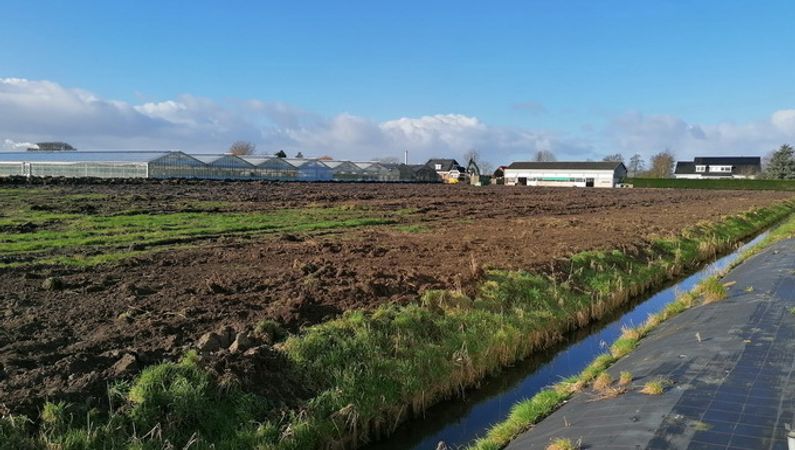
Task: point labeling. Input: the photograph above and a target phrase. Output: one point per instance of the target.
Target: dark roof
(740, 164)
(685, 168)
(568, 165)
(728, 160)
(447, 164)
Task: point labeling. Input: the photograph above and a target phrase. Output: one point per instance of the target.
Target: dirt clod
(126, 364)
(52, 284)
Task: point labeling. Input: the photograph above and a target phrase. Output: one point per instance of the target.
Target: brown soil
(108, 322)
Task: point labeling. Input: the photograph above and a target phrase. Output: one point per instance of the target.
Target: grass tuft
(625, 378)
(602, 382)
(270, 330)
(656, 386)
(561, 444)
(712, 289)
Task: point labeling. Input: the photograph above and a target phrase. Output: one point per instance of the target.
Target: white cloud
(35, 111)
(784, 120)
(647, 134)
(10, 145)
(43, 110)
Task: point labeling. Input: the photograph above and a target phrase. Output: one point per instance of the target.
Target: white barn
(603, 174)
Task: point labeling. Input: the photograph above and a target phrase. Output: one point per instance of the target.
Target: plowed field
(100, 280)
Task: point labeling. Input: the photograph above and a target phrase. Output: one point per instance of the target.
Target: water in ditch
(460, 421)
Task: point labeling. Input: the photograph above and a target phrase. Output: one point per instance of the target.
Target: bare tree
(617, 157)
(662, 164)
(240, 148)
(544, 156)
(636, 165)
(474, 155)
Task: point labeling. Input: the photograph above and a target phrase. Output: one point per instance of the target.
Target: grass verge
(373, 370)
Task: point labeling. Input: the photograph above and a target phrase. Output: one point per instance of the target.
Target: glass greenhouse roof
(84, 156)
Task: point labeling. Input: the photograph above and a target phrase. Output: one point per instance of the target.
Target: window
(701, 168)
(438, 167)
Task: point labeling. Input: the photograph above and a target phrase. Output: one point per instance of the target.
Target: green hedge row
(770, 185)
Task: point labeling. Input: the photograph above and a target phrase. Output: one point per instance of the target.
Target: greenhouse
(312, 170)
(344, 170)
(227, 167)
(176, 164)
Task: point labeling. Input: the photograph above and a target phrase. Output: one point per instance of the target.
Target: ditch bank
(373, 371)
(458, 422)
(720, 356)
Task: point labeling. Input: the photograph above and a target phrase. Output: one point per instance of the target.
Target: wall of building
(561, 178)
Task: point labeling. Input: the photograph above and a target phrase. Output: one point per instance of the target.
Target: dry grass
(602, 382)
(562, 444)
(625, 378)
(656, 386)
(631, 333)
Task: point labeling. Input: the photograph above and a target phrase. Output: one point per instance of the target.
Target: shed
(605, 174)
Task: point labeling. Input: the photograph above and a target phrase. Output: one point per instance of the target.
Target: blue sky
(582, 78)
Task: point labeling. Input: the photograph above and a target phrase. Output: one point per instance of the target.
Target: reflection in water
(458, 422)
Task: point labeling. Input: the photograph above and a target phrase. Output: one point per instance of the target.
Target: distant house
(719, 167)
(51, 147)
(448, 170)
(604, 174)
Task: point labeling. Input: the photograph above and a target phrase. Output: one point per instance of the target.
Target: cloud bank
(32, 111)
(40, 110)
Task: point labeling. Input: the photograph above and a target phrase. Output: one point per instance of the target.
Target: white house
(606, 174)
(719, 167)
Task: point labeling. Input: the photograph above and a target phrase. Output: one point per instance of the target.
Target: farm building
(448, 169)
(373, 171)
(719, 167)
(311, 169)
(227, 167)
(271, 168)
(344, 170)
(176, 164)
(127, 164)
(565, 174)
